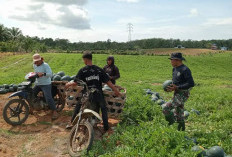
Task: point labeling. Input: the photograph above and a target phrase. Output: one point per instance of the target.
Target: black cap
(177, 55)
(87, 55)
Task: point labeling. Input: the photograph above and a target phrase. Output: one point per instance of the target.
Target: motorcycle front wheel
(82, 141)
(15, 112)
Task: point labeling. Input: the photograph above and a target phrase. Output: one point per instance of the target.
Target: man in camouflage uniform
(182, 83)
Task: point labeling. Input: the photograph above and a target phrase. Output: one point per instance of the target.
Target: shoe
(69, 126)
(55, 115)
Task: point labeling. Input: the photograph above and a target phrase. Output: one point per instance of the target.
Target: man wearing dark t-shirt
(94, 77)
(182, 83)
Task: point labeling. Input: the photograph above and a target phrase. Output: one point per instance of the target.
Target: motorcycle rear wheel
(15, 112)
(83, 140)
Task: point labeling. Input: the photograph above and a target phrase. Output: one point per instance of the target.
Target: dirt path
(39, 136)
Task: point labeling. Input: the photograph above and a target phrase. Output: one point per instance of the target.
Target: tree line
(12, 40)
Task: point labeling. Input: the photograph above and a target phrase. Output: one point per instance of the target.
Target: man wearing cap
(94, 76)
(111, 69)
(182, 83)
(43, 82)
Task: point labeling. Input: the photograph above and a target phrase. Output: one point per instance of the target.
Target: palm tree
(14, 33)
(3, 33)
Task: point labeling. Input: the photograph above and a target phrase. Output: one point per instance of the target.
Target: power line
(130, 30)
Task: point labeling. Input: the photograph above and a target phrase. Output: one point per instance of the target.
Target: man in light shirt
(43, 82)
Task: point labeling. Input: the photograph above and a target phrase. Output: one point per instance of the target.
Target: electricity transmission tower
(130, 30)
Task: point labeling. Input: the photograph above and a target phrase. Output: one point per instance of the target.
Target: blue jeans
(47, 92)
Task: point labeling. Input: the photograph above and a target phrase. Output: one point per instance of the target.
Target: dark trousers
(95, 105)
(47, 92)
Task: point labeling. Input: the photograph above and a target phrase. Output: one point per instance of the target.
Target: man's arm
(110, 84)
(186, 85)
(47, 73)
(189, 81)
(117, 74)
(74, 83)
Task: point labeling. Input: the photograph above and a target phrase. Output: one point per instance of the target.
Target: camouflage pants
(175, 109)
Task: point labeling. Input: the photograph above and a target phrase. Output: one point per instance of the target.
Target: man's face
(109, 61)
(175, 62)
(38, 63)
(85, 61)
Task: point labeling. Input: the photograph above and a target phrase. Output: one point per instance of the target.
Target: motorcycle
(82, 134)
(17, 110)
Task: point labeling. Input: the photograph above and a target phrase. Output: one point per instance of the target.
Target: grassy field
(143, 130)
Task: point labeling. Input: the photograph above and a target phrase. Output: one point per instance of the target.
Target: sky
(99, 20)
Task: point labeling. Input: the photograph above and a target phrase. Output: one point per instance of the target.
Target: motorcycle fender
(19, 94)
(87, 113)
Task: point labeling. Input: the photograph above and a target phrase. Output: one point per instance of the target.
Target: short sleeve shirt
(93, 75)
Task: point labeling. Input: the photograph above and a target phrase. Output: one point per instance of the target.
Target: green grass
(143, 130)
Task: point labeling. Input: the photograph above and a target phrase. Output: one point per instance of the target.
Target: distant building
(214, 47)
(179, 47)
(224, 48)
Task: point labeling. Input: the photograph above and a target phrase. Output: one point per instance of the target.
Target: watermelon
(157, 94)
(20, 88)
(106, 87)
(118, 104)
(215, 151)
(56, 78)
(53, 76)
(155, 98)
(70, 97)
(65, 78)
(166, 84)
(148, 91)
(186, 114)
(15, 87)
(11, 89)
(6, 86)
(3, 91)
(160, 102)
(196, 111)
(73, 77)
(200, 151)
(61, 73)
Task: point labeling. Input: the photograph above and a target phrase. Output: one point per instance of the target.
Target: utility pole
(130, 29)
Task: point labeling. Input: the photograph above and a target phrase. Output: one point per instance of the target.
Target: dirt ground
(38, 136)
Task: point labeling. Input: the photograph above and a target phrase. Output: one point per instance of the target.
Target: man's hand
(171, 88)
(40, 74)
(70, 84)
(117, 93)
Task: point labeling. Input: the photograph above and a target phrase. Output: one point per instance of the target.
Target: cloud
(67, 13)
(128, 1)
(218, 21)
(65, 2)
(194, 12)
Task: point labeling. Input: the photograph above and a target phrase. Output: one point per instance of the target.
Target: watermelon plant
(143, 130)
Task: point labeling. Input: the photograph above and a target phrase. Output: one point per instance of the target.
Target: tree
(3, 33)
(14, 33)
(28, 44)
